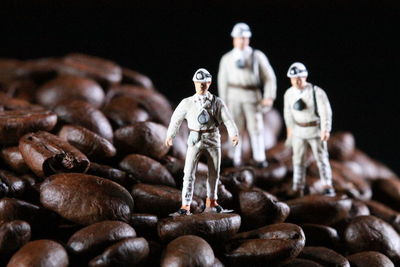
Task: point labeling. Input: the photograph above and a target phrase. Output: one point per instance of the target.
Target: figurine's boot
(299, 180)
(258, 149)
(213, 207)
(184, 210)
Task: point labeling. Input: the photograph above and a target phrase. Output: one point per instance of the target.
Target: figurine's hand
(288, 133)
(235, 140)
(267, 102)
(168, 142)
(325, 135)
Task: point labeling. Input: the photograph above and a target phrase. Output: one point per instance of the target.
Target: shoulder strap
(214, 110)
(315, 101)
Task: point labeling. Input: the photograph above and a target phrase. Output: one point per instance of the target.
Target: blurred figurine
(243, 72)
(308, 118)
(203, 113)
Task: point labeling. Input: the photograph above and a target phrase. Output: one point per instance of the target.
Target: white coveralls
(240, 89)
(302, 136)
(207, 142)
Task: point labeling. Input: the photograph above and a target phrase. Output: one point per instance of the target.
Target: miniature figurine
(308, 119)
(203, 113)
(243, 72)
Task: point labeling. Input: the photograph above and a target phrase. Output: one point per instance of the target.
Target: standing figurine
(243, 72)
(203, 113)
(308, 119)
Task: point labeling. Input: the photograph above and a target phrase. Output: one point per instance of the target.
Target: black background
(350, 49)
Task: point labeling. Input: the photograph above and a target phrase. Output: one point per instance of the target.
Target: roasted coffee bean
(91, 144)
(259, 208)
(145, 224)
(46, 154)
(39, 70)
(349, 183)
(341, 145)
(271, 176)
(385, 213)
(147, 170)
(112, 174)
(12, 157)
(125, 253)
(318, 209)
(387, 191)
(273, 244)
(46, 253)
(213, 227)
(86, 199)
(13, 235)
(281, 153)
(10, 103)
(12, 209)
(324, 256)
(133, 77)
(124, 110)
(154, 103)
(320, 235)
(371, 233)
(8, 70)
(81, 113)
(96, 237)
(236, 179)
(16, 186)
(369, 169)
(188, 250)
(300, 263)
(16, 123)
(146, 138)
(102, 70)
(369, 259)
(67, 88)
(160, 200)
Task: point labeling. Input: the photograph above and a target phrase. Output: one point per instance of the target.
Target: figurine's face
(299, 82)
(202, 87)
(241, 42)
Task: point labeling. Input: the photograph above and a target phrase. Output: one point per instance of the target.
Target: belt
(308, 124)
(248, 87)
(204, 131)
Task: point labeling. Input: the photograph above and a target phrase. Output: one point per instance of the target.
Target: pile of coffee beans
(86, 180)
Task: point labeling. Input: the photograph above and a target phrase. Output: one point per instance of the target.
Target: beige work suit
(201, 143)
(304, 136)
(244, 104)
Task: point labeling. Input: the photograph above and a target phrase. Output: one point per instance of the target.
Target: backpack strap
(315, 101)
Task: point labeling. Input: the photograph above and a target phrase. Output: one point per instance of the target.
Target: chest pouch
(299, 105)
(203, 117)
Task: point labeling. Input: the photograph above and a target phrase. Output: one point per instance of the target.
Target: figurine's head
(202, 81)
(241, 35)
(298, 75)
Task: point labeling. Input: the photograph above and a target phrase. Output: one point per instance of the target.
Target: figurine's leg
(299, 170)
(255, 127)
(236, 109)
(214, 163)
(320, 152)
(192, 158)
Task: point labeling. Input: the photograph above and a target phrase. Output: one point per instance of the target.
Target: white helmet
(241, 30)
(297, 69)
(202, 75)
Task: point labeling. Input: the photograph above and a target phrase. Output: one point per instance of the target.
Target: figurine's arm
(325, 113)
(229, 124)
(267, 75)
(287, 115)
(176, 120)
(223, 80)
